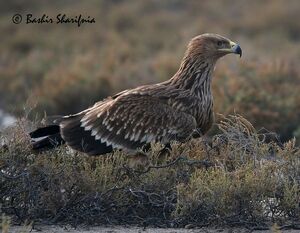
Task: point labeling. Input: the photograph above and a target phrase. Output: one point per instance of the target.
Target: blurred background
(61, 69)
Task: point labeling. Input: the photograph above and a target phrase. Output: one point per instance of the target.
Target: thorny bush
(238, 178)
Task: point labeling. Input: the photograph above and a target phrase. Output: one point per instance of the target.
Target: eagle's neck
(194, 75)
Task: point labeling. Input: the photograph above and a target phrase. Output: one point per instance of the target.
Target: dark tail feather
(46, 138)
(45, 131)
(70, 132)
(81, 140)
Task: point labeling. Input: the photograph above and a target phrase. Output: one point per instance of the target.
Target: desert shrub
(237, 179)
(249, 195)
(266, 94)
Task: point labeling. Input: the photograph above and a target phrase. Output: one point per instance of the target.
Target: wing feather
(131, 120)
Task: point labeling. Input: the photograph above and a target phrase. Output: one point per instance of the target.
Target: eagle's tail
(81, 140)
(68, 130)
(47, 137)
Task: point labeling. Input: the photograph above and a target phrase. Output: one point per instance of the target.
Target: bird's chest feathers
(199, 107)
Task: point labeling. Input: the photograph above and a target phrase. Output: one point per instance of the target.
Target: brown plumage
(172, 110)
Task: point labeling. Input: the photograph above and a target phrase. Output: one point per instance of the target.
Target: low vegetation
(238, 178)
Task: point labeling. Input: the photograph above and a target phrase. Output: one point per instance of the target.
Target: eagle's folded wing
(127, 122)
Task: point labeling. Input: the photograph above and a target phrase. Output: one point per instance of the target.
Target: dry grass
(237, 180)
(142, 42)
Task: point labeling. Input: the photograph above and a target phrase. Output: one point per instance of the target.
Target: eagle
(173, 110)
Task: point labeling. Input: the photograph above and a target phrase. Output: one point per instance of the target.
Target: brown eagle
(176, 109)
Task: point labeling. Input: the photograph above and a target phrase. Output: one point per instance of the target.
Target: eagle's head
(212, 46)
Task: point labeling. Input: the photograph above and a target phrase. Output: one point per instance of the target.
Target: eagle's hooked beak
(235, 48)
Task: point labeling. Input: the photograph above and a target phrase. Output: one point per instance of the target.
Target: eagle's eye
(220, 44)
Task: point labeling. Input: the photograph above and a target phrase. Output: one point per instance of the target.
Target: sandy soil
(60, 229)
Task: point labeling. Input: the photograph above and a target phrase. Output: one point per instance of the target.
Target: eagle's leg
(164, 152)
(197, 133)
(205, 139)
(138, 160)
(146, 147)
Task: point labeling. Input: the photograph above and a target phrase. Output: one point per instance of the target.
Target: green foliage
(237, 179)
